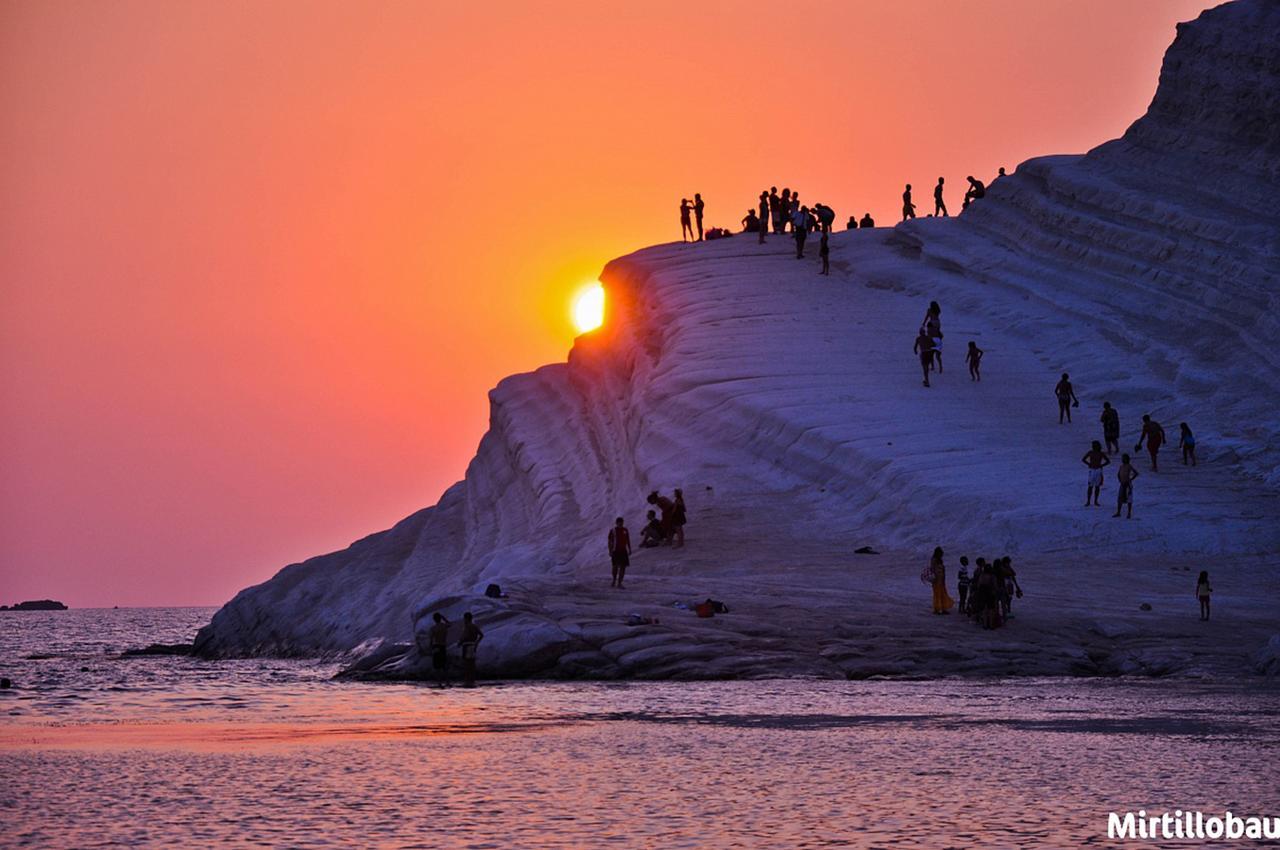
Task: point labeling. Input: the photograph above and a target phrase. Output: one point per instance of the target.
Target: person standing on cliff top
(1110, 428)
(939, 206)
(800, 223)
(698, 206)
(1095, 459)
(470, 644)
(1066, 396)
(784, 210)
(686, 224)
(1153, 433)
(908, 208)
(438, 641)
(764, 215)
(619, 551)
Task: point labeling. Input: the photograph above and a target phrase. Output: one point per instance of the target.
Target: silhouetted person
(852, 223)
(1095, 459)
(619, 551)
(775, 209)
(438, 640)
(764, 215)
(1110, 427)
(1066, 396)
(939, 206)
(1125, 475)
(825, 215)
(668, 510)
(800, 228)
(1187, 442)
(908, 208)
(651, 535)
(974, 359)
(469, 643)
(924, 347)
(1204, 591)
(678, 519)
(824, 251)
(976, 190)
(784, 217)
(1000, 173)
(932, 325)
(867, 221)
(751, 224)
(697, 212)
(794, 208)
(1154, 435)
(686, 223)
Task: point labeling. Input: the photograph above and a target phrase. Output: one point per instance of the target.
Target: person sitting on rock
(750, 223)
(668, 508)
(651, 535)
(867, 221)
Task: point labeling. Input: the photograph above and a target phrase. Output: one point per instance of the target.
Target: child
(1188, 444)
(1125, 474)
(1203, 590)
(651, 535)
(962, 584)
(824, 251)
(974, 359)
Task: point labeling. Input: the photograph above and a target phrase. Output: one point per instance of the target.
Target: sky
(261, 262)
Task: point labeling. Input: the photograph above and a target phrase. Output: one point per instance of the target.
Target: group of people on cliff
(976, 191)
(928, 346)
(664, 526)
(986, 596)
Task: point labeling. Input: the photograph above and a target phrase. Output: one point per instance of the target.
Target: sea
(101, 750)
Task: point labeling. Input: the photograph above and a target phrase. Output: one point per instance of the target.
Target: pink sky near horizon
(260, 263)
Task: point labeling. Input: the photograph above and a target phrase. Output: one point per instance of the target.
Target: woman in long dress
(936, 575)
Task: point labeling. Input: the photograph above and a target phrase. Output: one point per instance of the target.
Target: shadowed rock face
(791, 413)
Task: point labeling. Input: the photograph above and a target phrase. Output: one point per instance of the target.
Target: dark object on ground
(865, 550)
(36, 605)
(717, 606)
(493, 592)
(1145, 606)
(160, 649)
(5, 684)
(704, 609)
(718, 233)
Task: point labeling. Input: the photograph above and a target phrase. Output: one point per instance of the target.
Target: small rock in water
(1145, 606)
(5, 683)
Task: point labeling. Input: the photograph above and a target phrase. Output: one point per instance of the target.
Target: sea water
(97, 750)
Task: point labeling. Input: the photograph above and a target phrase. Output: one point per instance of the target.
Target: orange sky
(260, 262)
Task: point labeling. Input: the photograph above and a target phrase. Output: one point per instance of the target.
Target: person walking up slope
(1187, 442)
(939, 207)
(1153, 433)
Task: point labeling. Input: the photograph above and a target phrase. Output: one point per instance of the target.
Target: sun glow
(588, 309)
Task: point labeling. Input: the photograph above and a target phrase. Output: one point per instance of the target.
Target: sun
(588, 309)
